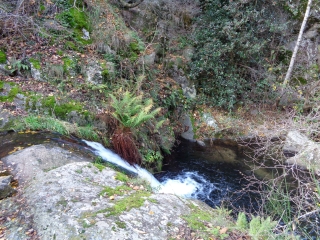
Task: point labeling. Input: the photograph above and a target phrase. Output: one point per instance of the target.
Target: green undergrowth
(33, 122)
(218, 224)
(3, 57)
(77, 20)
(119, 191)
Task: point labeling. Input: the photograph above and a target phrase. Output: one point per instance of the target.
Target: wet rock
(5, 189)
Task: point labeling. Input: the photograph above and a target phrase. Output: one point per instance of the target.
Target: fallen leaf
(223, 230)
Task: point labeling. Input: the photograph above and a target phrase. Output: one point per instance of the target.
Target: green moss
(60, 53)
(134, 47)
(11, 95)
(63, 202)
(135, 200)
(3, 57)
(121, 224)
(153, 200)
(61, 110)
(122, 177)
(99, 166)
(31, 101)
(120, 191)
(88, 132)
(49, 102)
(197, 219)
(67, 64)
(74, 18)
(35, 63)
(105, 75)
(42, 8)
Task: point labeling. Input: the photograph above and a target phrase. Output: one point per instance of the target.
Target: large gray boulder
(307, 152)
(295, 142)
(60, 198)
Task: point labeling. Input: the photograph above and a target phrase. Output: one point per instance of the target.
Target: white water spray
(185, 186)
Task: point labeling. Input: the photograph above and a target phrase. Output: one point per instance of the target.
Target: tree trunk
(294, 54)
(296, 48)
(130, 4)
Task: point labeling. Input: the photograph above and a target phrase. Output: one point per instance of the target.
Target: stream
(189, 174)
(214, 174)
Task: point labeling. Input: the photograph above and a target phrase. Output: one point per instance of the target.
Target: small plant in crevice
(151, 158)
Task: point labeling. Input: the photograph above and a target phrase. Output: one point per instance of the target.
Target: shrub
(232, 40)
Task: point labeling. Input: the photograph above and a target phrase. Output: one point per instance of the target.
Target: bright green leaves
(131, 111)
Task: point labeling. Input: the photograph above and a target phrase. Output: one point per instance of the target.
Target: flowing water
(191, 176)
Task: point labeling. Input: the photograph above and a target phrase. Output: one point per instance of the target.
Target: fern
(260, 228)
(131, 111)
(242, 222)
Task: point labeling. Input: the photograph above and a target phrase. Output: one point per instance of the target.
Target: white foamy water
(183, 185)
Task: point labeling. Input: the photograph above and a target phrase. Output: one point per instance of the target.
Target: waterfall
(184, 186)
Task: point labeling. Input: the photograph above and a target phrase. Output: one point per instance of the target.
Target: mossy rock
(3, 57)
(35, 63)
(61, 110)
(74, 18)
(11, 94)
